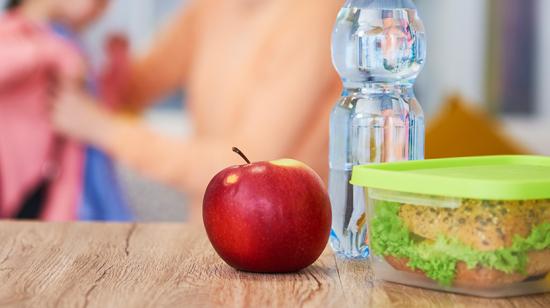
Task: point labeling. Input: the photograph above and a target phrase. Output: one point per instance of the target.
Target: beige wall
(456, 51)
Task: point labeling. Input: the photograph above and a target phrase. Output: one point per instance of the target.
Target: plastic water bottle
(378, 48)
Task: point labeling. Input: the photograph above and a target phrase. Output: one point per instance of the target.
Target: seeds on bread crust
(483, 225)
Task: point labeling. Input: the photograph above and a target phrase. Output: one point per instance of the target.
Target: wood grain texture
(166, 265)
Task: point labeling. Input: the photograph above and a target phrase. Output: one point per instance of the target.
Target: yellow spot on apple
(287, 163)
(231, 179)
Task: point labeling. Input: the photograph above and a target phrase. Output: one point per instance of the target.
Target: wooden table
(159, 265)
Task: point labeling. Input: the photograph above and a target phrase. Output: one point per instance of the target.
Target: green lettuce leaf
(437, 259)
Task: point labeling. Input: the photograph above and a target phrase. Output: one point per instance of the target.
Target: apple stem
(236, 150)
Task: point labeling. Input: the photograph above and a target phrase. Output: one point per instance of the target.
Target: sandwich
(482, 244)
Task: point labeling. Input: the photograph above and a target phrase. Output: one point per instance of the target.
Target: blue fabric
(102, 197)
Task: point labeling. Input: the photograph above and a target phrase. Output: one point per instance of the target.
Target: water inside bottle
(378, 53)
(378, 45)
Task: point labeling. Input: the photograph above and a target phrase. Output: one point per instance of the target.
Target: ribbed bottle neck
(378, 88)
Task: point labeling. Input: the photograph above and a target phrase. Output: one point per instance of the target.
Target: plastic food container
(477, 226)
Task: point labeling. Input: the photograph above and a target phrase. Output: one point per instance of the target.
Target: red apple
(268, 217)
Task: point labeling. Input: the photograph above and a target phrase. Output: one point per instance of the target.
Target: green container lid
(488, 177)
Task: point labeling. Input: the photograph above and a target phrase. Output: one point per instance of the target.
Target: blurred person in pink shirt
(257, 75)
(40, 171)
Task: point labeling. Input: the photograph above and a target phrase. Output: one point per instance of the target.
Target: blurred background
(140, 21)
(488, 57)
(492, 53)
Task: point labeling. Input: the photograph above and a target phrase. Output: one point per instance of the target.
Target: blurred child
(257, 75)
(102, 198)
(41, 173)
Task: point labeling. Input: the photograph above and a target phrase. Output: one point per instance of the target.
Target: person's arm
(165, 66)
